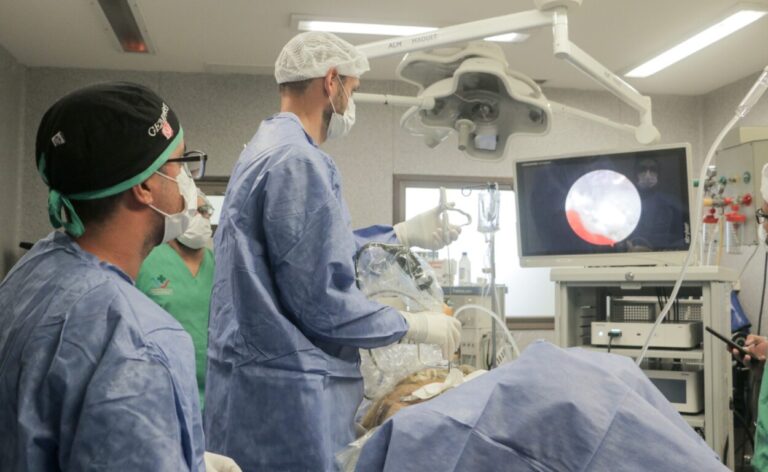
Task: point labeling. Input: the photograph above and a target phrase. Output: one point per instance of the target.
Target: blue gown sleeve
(116, 402)
(377, 233)
(311, 249)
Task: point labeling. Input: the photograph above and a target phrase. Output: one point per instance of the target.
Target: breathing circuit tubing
(495, 318)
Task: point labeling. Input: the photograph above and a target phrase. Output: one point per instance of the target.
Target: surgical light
(388, 30)
(476, 95)
(697, 42)
(472, 91)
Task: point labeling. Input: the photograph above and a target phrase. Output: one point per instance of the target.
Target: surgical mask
(198, 234)
(647, 180)
(177, 224)
(340, 125)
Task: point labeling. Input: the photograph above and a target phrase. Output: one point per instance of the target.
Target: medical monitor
(618, 208)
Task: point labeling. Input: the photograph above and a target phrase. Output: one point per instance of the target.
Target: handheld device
(743, 352)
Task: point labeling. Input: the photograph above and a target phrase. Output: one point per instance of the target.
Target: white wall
(12, 80)
(718, 108)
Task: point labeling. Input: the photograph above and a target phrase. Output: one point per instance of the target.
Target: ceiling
(245, 36)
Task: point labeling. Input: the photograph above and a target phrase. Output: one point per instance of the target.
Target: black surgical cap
(101, 140)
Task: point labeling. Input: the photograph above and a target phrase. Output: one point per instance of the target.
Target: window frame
(401, 181)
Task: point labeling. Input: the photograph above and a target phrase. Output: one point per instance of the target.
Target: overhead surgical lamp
(477, 96)
(472, 91)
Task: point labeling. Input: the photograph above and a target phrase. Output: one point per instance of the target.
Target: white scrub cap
(311, 54)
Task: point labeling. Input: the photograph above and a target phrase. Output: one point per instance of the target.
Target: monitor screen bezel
(651, 258)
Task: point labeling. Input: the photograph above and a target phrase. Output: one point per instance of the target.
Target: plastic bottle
(465, 270)
(709, 242)
(734, 230)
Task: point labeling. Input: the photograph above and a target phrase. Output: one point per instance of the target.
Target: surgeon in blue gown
(287, 319)
(94, 376)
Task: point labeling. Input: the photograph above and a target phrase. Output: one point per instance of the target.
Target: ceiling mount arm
(559, 107)
(424, 103)
(564, 49)
(556, 17)
(458, 33)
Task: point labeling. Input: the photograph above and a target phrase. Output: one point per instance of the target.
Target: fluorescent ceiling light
(388, 30)
(508, 38)
(712, 34)
(362, 28)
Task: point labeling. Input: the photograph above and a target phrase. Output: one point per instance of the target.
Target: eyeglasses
(193, 163)
(205, 210)
(760, 216)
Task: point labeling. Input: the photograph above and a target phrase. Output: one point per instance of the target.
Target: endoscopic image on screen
(609, 203)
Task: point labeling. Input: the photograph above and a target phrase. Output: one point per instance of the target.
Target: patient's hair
(397, 398)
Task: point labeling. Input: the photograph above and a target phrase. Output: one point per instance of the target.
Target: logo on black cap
(162, 125)
(58, 139)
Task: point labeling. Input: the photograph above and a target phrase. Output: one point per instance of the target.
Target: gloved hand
(425, 230)
(219, 463)
(431, 327)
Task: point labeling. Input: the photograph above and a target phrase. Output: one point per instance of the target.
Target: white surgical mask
(177, 224)
(198, 234)
(340, 125)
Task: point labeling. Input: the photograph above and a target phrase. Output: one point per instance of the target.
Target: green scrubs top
(760, 457)
(165, 278)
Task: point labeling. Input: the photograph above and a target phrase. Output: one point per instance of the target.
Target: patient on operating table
(552, 409)
(402, 396)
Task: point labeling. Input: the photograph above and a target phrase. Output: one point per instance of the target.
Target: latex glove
(430, 327)
(425, 230)
(219, 463)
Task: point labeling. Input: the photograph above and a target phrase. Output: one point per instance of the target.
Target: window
(529, 290)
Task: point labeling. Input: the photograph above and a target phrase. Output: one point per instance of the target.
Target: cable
(746, 428)
(746, 264)
(762, 297)
(613, 333)
(498, 320)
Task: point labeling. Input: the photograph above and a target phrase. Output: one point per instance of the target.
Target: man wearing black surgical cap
(94, 375)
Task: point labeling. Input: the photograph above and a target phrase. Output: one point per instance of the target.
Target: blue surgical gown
(287, 318)
(94, 376)
(564, 410)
